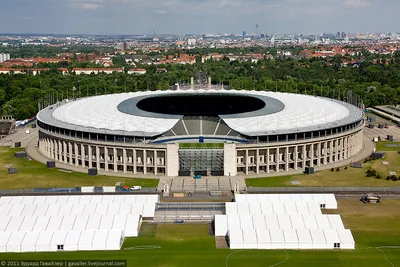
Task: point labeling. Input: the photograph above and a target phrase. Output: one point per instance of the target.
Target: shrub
(378, 177)
(337, 169)
(394, 178)
(388, 178)
(345, 168)
(332, 169)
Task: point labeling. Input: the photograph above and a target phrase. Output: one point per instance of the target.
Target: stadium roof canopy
(118, 114)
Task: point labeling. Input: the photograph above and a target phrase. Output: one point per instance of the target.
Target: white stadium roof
(101, 114)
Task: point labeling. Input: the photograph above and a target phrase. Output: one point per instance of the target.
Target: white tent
(305, 240)
(137, 208)
(39, 200)
(330, 201)
(53, 209)
(335, 221)
(119, 222)
(62, 200)
(131, 198)
(96, 199)
(290, 207)
(4, 220)
(297, 221)
(41, 209)
(246, 222)
(113, 209)
(108, 198)
(15, 241)
(67, 223)
(241, 198)
(323, 222)
(132, 225)
(77, 209)
(80, 222)
(5, 200)
(314, 208)
(101, 209)
(233, 222)
(266, 208)
(43, 241)
(85, 199)
(346, 239)
(231, 208)
(51, 200)
(235, 239)
(119, 199)
(249, 239)
(255, 208)
(302, 208)
(277, 239)
(291, 239)
(263, 239)
(28, 223)
(318, 239)
(14, 224)
(310, 222)
(4, 237)
(29, 209)
(221, 225)
(271, 222)
(332, 238)
(86, 240)
(296, 198)
(93, 222)
(5, 209)
(259, 222)
(115, 239)
(16, 210)
(90, 209)
(125, 209)
(100, 240)
(54, 223)
(74, 199)
(72, 240)
(65, 209)
(58, 240)
(149, 209)
(284, 222)
(307, 198)
(29, 242)
(106, 222)
(243, 208)
(41, 223)
(17, 200)
(278, 208)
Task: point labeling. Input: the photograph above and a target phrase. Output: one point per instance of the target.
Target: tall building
(244, 34)
(4, 57)
(262, 35)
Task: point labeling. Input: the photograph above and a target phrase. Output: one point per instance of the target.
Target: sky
(198, 16)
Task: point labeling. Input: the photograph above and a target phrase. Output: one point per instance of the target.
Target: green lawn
(380, 146)
(184, 245)
(345, 177)
(32, 174)
(200, 145)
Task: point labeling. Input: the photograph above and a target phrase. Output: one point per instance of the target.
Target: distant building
(7, 125)
(191, 42)
(4, 57)
(262, 35)
(244, 34)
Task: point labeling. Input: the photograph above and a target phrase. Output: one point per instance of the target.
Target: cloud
(357, 3)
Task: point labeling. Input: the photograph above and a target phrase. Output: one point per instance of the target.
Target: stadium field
(181, 245)
(32, 174)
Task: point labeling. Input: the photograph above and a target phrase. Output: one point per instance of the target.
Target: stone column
(65, 152)
(106, 158)
(155, 162)
(124, 159)
(70, 152)
(330, 152)
(115, 157)
(287, 158)
(90, 155)
(319, 154)
(325, 152)
(52, 148)
(76, 154)
(98, 157)
(296, 157)
(312, 155)
(134, 159)
(304, 156)
(268, 160)
(144, 161)
(277, 159)
(246, 162)
(257, 161)
(83, 155)
(172, 160)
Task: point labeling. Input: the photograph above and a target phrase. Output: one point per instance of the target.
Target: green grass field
(201, 145)
(32, 174)
(349, 177)
(380, 146)
(184, 245)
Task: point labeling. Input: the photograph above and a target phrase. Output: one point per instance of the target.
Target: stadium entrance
(204, 162)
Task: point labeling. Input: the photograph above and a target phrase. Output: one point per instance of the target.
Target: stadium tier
(139, 133)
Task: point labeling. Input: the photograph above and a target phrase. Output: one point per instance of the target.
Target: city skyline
(197, 16)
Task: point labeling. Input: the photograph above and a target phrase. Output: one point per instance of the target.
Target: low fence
(75, 191)
(335, 190)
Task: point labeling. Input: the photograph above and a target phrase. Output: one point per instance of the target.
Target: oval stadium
(206, 131)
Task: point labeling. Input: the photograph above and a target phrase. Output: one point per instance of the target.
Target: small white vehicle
(136, 187)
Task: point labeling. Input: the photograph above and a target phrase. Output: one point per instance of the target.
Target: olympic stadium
(247, 132)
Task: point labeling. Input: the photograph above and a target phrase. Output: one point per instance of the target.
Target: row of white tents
(283, 221)
(291, 239)
(45, 241)
(225, 223)
(71, 222)
(130, 224)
